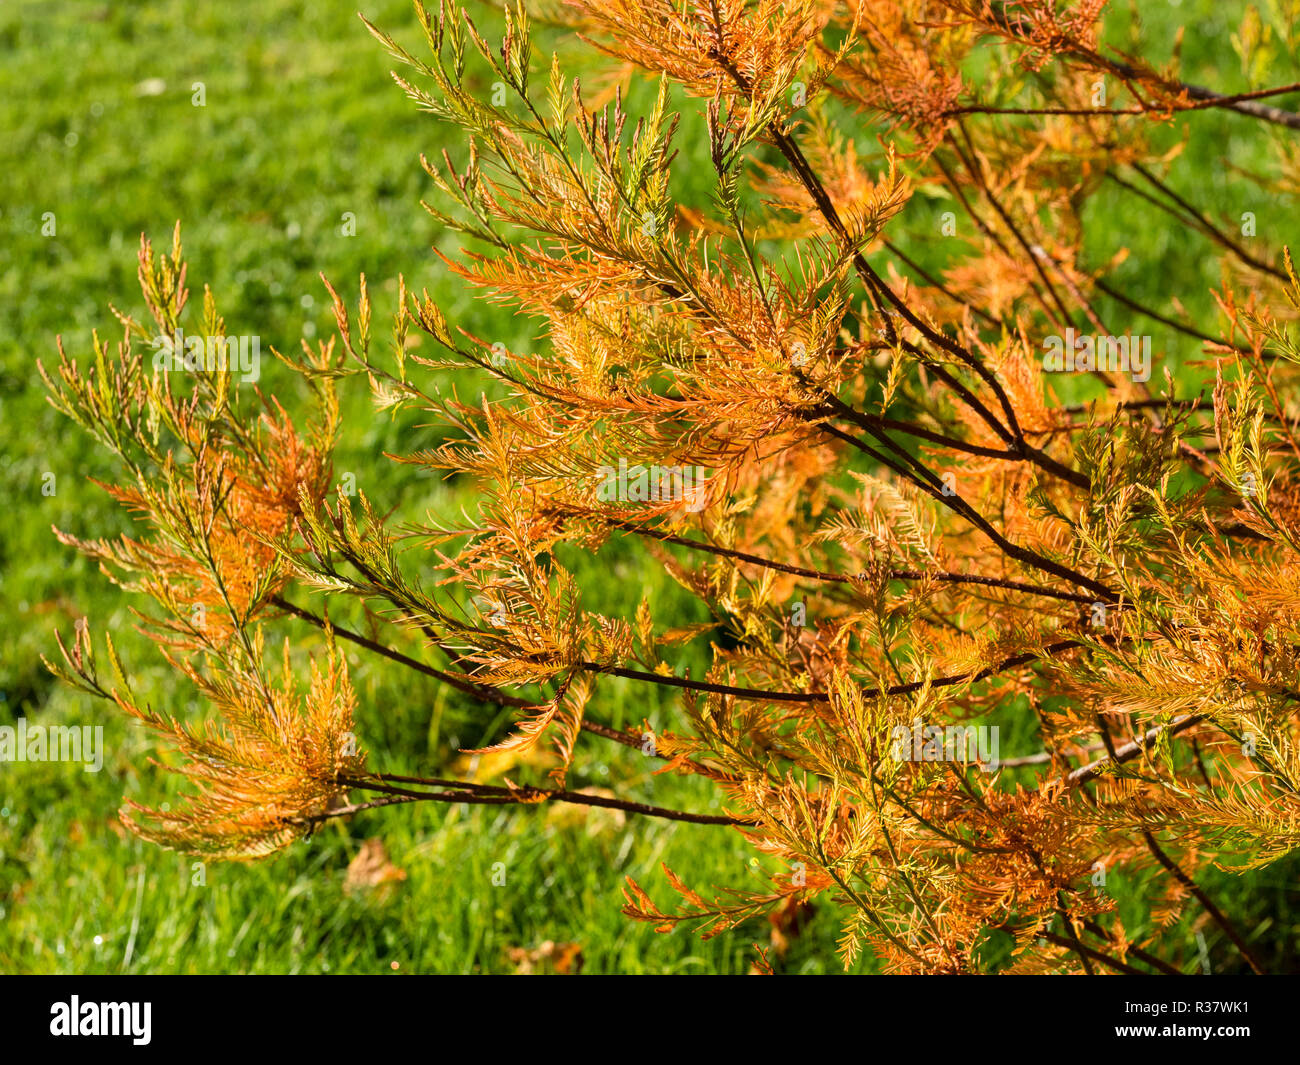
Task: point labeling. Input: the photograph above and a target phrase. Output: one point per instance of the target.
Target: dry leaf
(371, 871)
(549, 958)
(597, 819)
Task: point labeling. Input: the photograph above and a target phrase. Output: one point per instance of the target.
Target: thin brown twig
(1217, 915)
(527, 795)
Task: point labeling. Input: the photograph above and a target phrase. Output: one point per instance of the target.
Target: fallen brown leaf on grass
(787, 923)
(597, 819)
(549, 958)
(371, 871)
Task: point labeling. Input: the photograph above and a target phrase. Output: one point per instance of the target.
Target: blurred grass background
(302, 125)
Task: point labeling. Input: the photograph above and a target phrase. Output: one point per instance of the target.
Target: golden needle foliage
(900, 526)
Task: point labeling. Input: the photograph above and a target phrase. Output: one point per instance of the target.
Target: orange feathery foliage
(822, 400)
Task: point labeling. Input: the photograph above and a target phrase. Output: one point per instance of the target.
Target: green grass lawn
(301, 128)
